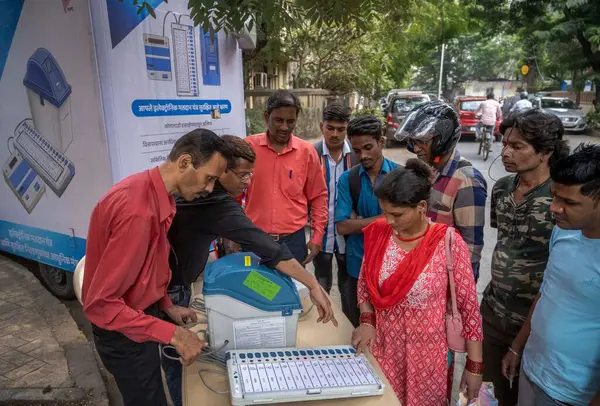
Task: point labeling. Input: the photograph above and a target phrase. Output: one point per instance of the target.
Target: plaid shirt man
(458, 199)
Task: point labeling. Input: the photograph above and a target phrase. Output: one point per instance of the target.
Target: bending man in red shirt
(127, 266)
(287, 181)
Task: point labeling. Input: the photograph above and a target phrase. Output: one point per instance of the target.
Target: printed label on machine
(259, 333)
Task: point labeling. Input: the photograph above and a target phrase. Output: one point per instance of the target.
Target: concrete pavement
(43, 355)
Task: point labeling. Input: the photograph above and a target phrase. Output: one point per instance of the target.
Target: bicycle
(485, 141)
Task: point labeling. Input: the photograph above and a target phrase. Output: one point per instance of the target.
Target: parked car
(569, 113)
(400, 105)
(466, 106)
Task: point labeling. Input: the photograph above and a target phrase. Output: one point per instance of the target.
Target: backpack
(355, 186)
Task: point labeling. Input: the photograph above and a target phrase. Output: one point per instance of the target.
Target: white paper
(259, 333)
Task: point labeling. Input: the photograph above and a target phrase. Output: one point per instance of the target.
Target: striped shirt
(332, 242)
(458, 199)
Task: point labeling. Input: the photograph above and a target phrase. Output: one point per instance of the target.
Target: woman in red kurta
(403, 291)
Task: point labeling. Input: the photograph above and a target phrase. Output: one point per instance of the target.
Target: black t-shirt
(196, 225)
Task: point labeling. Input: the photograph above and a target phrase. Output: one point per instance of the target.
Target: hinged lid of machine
(242, 277)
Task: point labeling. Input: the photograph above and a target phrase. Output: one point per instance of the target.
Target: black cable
(165, 20)
(199, 358)
(15, 134)
(8, 145)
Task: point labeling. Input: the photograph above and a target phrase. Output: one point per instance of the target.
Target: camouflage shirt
(521, 253)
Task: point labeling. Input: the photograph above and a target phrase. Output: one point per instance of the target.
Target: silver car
(569, 113)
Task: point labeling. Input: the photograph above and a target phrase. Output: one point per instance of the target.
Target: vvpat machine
(48, 95)
(249, 305)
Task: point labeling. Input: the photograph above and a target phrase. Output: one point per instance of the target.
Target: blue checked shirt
(458, 200)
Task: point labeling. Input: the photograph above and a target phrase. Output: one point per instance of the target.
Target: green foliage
(255, 121)
(369, 112)
(593, 119)
(561, 38)
(470, 57)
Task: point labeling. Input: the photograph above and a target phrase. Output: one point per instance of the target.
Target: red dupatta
(396, 287)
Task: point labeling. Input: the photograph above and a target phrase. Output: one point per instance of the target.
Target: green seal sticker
(262, 285)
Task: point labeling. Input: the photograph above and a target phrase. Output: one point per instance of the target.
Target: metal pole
(441, 71)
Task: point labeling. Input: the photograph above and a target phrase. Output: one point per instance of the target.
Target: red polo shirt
(127, 258)
(284, 186)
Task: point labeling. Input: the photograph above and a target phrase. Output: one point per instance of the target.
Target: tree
(571, 27)
(469, 57)
(429, 24)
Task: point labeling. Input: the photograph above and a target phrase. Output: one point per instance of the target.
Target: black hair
(365, 125)
(239, 148)
(406, 187)
(336, 112)
(582, 167)
(490, 95)
(283, 98)
(540, 129)
(201, 145)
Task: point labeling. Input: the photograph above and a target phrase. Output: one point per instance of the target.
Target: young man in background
(560, 340)
(336, 157)
(490, 112)
(357, 206)
(520, 203)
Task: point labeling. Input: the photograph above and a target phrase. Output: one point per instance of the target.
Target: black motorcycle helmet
(433, 120)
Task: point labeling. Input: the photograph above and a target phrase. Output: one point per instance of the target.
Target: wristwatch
(359, 217)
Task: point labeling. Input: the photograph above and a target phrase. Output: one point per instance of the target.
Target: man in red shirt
(127, 267)
(287, 181)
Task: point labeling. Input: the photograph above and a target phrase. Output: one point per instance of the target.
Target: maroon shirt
(127, 258)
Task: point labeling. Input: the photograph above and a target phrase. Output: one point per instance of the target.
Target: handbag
(454, 324)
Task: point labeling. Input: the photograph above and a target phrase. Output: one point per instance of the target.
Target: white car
(564, 108)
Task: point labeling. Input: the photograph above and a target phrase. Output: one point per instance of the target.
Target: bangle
(368, 324)
(514, 352)
(368, 318)
(474, 367)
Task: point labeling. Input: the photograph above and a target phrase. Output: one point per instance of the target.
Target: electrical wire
(184, 15)
(305, 315)
(198, 304)
(8, 140)
(212, 371)
(165, 20)
(495, 159)
(213, 357)
(8, 143)
(490, 169)
(200, 358)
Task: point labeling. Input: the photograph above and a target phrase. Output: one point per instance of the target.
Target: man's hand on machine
(320, 299)
(188, 345)
(181, 315)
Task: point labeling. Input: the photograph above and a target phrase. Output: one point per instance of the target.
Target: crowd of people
(407, 240)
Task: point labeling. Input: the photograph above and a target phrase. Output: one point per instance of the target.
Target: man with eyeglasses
(197, 224)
